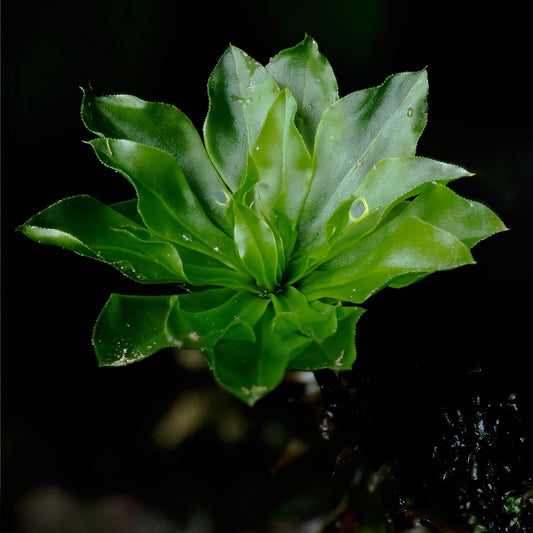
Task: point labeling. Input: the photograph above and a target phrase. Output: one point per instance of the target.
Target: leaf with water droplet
(366, 125)
(86, 226)
(231, 128)
(166, 203)
(310, 79)
(162, 126)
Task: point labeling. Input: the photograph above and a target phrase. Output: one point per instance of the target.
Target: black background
(67, 423)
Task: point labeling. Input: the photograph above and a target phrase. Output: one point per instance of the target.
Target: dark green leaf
(336, 352)
(250, 370)
(162, 126)
(89, 227)
(128, 208)
(167, 204)
(131, 328)
(294, 314)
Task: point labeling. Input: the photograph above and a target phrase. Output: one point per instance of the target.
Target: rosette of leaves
(294, 208)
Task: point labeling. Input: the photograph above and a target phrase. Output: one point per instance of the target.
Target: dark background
(75, 436)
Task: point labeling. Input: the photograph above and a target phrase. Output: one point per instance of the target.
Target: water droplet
(410, 112)
(241, 99)
(222, 197)
(216, 248)
(186, 237)
(360, 162)
(257, 147)
(359, 208)
(194, 336)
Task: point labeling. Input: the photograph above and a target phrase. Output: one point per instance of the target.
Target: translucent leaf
(241, 92)
(162, 126)
(131, 328)
(387, 184)
(410, 246)
(90, 228)
(250, 370)
(294, 314)
(199, 269)
(167, 204)
(336, 352)
(357, 132)
(469, 221)
(310, 79)
(282, 161)
(257, 246)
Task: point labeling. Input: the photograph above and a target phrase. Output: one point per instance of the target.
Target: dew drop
(186, 237)
(257, 148)
(359, 208)
(410, 112)
(222, 197)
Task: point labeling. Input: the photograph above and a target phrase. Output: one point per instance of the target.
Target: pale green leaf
(241, 92)
(357, 132)
(282, 161)
(309, 77)
(413, 246)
